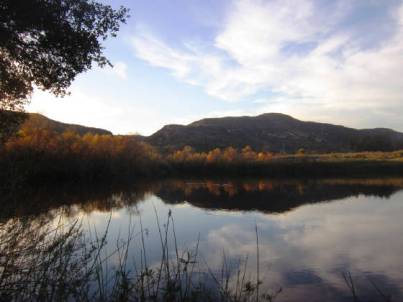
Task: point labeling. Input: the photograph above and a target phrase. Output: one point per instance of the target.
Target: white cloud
(297, 50)
(120, 69)
(158, 54)
(295, 241)
(255, 31)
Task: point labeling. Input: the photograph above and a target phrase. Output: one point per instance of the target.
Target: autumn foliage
(228, 155)
(43, 153)
(47, 153)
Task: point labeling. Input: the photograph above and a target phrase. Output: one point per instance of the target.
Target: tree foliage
(47, 43)
(9, 124)
(70, 155)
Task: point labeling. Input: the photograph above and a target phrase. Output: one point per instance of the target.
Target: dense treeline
(37, 154)
(45, 153)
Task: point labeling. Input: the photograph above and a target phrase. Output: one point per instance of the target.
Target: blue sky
(178, 61)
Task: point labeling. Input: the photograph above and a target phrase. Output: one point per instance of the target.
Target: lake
(317, 240)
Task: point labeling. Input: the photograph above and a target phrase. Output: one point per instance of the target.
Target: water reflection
(310, 232)
(271, 196)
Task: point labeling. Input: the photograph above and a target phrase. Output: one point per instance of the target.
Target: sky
(178, 61)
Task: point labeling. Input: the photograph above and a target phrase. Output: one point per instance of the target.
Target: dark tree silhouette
(10, 121)
(47, 43)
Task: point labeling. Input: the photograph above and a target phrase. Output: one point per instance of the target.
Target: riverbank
(44, 168)
(42, 156)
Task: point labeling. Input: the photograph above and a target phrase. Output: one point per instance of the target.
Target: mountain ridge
(39, 121)
(275, 132)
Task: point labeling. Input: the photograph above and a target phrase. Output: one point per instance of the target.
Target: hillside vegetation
(276, 133)
(40, 122)
(47, 150)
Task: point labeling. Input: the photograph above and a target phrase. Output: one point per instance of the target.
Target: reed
(53, 260)
(44, 260)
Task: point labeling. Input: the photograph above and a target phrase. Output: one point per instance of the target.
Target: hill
(38, 121)
(267, 132)
(274, 132)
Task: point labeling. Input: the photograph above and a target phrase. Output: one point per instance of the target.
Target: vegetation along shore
(45, 150)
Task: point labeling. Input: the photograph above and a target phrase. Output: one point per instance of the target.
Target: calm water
(310, 232)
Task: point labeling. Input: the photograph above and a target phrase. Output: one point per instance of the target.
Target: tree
(214, 155)
(301, 151)
(9, 124)
(248, 153)
(47, 43)
(230, 154)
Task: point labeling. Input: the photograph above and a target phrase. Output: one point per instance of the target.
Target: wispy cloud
(297, 50)
(120, 69)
